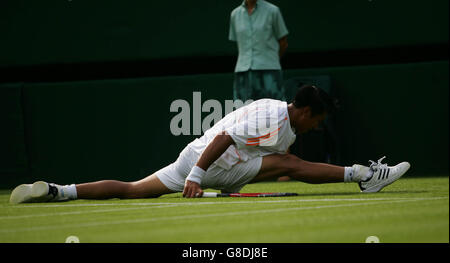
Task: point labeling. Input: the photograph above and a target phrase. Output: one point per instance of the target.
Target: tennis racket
(212, 194)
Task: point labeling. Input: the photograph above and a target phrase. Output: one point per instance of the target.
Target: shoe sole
(27, 193)
(20, 194)
(378, 187)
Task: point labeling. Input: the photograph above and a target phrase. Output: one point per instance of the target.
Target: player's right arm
(212, 152)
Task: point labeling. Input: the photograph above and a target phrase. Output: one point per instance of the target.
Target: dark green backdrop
(55, 31)
(84, 130)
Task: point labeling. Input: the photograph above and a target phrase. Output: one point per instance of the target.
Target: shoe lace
(374, 166)
(52, 190)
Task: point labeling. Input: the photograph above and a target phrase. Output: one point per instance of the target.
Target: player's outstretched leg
(370, 178)
(42, 191)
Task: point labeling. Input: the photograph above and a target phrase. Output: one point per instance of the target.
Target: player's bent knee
(291, 163)
(290, 159)
(282, 164)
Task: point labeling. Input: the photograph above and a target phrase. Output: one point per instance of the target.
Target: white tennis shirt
(258, 129)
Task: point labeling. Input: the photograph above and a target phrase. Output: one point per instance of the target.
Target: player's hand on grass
(192, 189)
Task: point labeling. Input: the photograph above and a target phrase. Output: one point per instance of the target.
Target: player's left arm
(212, 152)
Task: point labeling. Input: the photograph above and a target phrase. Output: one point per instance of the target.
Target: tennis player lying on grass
(248, 145)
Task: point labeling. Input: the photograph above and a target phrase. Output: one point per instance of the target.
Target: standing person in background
(261, 35)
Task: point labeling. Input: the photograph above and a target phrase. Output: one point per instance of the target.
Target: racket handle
(209, 194)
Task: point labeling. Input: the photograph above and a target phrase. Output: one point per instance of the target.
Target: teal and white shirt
(257, 36)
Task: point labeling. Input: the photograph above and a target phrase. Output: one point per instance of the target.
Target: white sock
(70, 191)
(348, 174)
(368, 174)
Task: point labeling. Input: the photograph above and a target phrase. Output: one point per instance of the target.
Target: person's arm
(283, 46)
(280, 32)
(212, 152)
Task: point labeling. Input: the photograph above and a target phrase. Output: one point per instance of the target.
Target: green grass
(410, 210)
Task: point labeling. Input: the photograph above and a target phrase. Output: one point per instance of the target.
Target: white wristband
(196, 175)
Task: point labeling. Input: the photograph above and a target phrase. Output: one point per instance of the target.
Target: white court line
(187, 217)
(228, 202)
(164, 205)
(79, 212)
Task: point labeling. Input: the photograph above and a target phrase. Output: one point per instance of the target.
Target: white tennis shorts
(174, 175)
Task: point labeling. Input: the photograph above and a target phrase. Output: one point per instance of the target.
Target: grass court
(409, 211)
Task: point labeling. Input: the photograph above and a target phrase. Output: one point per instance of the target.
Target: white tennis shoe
(378, 175)
(38, 192)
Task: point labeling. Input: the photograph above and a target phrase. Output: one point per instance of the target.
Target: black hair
(316, 98)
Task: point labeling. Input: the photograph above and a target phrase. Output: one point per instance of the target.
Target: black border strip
(276, 252)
